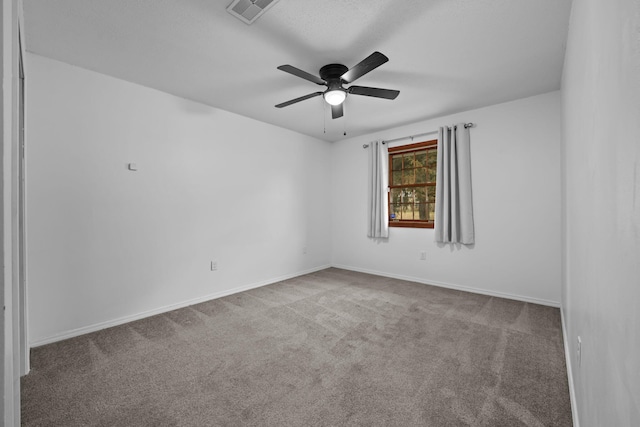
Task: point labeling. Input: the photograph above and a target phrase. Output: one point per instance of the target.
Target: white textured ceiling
(445, 56)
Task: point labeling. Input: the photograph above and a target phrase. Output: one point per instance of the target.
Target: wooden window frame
(431, 144)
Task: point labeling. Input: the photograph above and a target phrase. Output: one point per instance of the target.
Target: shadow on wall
(379, 240)
(455, 246)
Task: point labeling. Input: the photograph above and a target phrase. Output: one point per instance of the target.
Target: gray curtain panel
(378, 184)
(454, 210)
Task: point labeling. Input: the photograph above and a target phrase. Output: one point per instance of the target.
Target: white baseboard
(567, 356)
(126, 319)
(119, 321)
(549, 303)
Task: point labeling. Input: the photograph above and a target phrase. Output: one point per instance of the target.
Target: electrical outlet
(423, 256)
(579, 351)
(214, 265)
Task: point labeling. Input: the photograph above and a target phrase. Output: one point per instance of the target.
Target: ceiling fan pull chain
(344, 123)
(324, 116)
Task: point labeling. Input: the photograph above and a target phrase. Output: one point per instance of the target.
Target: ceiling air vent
(249, 10)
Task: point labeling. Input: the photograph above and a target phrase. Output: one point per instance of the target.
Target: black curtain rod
(466, 125)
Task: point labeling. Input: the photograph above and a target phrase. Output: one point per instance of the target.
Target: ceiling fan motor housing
(333, 72)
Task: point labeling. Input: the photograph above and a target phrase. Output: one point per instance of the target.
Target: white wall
(516, 194)
(601, 134)
(106, 244)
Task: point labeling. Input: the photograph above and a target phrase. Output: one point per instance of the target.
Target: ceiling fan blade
(302, 98)
(337, 111)
(374, 91)
(370, 63)
(302, 74)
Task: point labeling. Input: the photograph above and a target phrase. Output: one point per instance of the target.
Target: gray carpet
(332, 348)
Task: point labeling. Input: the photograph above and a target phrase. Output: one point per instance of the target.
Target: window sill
(410, 224)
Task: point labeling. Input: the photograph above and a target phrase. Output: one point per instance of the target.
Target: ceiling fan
(334, 76)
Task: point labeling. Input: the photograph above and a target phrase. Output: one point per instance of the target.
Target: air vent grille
(249, 10)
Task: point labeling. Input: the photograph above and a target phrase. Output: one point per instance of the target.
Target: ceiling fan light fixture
(335, 96)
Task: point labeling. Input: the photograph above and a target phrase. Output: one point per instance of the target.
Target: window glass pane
(395, 212)
(397, 162)
(396, 194)
(431, 194)
(421, 159)
(407, 195)
(432, 158)
(408, 161)
(431, 175)
(408, 177)
(431, 211)
(420, 211)
(421, 175)
(397, 178)
(407, 212)
(420, 195)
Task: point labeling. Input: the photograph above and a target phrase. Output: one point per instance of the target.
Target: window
(412, 184)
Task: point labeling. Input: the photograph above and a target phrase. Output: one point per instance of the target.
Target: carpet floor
(331, 348)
